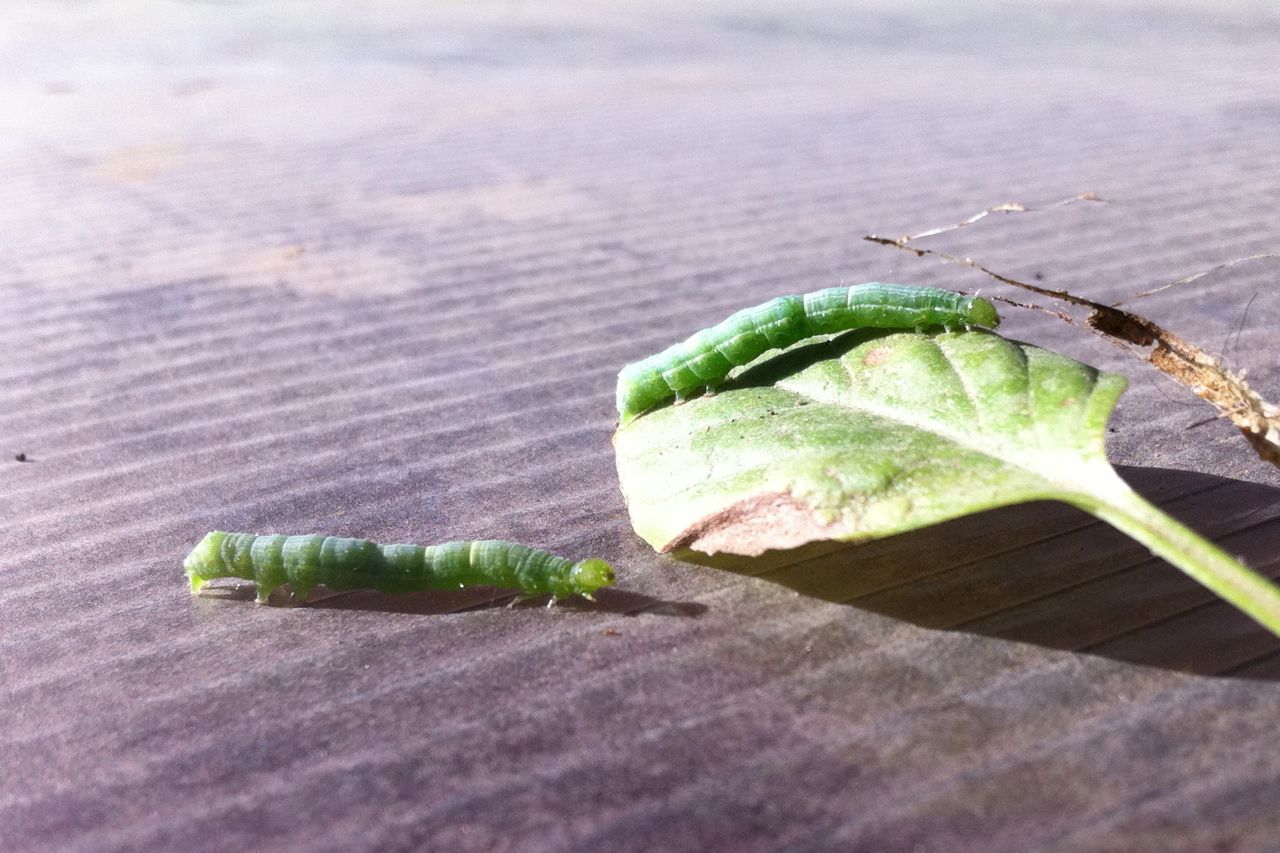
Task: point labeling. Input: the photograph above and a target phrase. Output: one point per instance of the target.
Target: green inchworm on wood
(305, 562)
(705, 359)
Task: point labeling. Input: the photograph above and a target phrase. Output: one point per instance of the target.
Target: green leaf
(880, 432)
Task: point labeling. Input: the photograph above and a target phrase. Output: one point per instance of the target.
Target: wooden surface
(373, 272)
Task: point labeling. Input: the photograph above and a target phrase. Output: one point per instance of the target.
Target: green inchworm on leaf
(882, 431)
(706, 359)
(305, 562)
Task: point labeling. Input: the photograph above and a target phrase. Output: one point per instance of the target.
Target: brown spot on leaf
(876, 356)
(764, 522)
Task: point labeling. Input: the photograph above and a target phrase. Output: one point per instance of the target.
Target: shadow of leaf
(1048, 574)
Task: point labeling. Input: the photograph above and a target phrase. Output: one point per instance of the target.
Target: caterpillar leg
(295, 598)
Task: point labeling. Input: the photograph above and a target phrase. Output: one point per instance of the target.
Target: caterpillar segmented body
(706, 358)
(305, 562)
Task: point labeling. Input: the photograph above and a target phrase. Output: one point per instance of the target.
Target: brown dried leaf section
(1187, 364)
(764, 522)
(1257, 420)
(1177, 358)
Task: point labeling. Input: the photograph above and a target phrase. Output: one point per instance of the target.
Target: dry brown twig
(1177, 358)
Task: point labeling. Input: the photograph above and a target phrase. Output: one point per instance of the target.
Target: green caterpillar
(304, 562)
(706, 358)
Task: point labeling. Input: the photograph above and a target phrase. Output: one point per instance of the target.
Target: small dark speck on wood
(20, 457)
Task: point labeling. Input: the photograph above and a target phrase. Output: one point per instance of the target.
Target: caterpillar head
(983, 313)
(587, 576)
(205, 560)
(640, 388)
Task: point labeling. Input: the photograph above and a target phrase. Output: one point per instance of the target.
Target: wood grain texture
(373, 271)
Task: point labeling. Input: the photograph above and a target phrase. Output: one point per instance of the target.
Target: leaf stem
(1167, 537)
